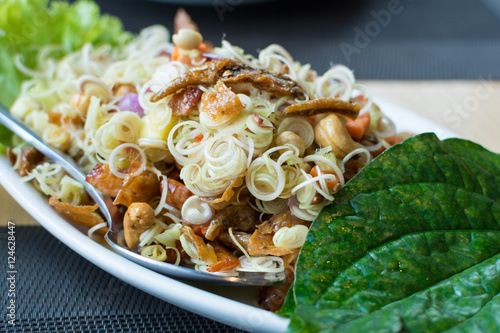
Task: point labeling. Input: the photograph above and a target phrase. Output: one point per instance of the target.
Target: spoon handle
(66, 162)
(77, 172)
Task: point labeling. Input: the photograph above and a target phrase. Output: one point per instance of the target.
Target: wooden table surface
(470, 108)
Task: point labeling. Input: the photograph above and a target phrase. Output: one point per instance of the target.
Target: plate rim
(229, 311)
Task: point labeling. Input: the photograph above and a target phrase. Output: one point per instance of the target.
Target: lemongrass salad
(214, 158)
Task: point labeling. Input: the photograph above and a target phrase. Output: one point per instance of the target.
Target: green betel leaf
(412, 244)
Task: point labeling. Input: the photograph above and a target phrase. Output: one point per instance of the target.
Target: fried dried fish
(206, 76)
(177, 194)
(261, 242)
(141, 188)
(277, 84)
(323, 105)
(29, 160)
(226, 260)
(183, 102)
(102, 179)
(242, 218)
(82, 215)
(232, 72)
(241, 237)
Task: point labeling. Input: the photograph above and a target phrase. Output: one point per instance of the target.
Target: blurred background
(378, 39)
(433, 57)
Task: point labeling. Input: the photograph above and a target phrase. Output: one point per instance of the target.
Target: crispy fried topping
(228, 193)
(193, 78)
(225, 239)
(183, 102)
(261, 242)
(323, 105)
(82, 215)
(29, 159)
(177, 194)
(232, 72)
(221, 102)
(102, 179)
(205, 251)
(226, 260)
(242, 218)
(277, 84)
(141, 188)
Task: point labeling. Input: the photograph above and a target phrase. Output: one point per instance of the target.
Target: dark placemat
(56, 290)
(378, 39)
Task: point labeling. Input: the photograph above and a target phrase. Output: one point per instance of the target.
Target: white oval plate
(229, 305)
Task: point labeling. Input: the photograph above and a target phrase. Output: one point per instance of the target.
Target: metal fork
(114, 235)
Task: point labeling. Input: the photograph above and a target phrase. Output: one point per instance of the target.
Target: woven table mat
(424, 39)
(59, 291)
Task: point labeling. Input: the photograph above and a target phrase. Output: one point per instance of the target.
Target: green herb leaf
(412, 244)
(28, 25)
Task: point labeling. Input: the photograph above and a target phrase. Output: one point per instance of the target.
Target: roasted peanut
(124, 89)
(330, 131)
(293, 139)
(138, 218)
(187, 39)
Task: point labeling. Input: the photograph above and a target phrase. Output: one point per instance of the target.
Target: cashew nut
(138, 218)
(293, 139)
(330, 131)
(187, 39)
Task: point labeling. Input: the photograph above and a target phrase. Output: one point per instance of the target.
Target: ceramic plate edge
(196, 300)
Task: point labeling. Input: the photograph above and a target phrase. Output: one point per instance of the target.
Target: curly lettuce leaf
(28, 25)
(411, 245)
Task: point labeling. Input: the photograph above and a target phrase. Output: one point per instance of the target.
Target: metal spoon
(114, 235)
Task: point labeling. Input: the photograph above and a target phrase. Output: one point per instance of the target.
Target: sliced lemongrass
(92, 230)
(114, 155)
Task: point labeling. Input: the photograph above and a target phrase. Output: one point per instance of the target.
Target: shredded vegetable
(211, 175)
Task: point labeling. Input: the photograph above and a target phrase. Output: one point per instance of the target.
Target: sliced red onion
(293, 201)
(130, 102)
(212, 56)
